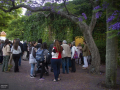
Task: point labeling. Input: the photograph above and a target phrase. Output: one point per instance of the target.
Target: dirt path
(81, 80)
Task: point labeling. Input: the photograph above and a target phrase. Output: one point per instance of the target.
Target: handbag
(75, 55)
(32, 59)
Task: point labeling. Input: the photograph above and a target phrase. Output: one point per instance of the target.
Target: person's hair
(2, 41)
(16, 44)
(64, 41)
(40, 41)
(79, 44)
(73, 43)
(32, 43)
(58, 46)
(84, 42)
(44, 45)
(6, 42)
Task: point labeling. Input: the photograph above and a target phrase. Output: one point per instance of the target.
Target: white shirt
(73, 51)
(18, 51)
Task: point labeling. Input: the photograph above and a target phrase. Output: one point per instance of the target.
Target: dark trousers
(42, 70)
(16, 59)
(81, 56)
(1, 59)
(73, 65)
(56, 67)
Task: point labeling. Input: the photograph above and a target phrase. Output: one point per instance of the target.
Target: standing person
(80, 57)
(25, 50)
(44, 63)
(21, 46)
(72, 59)
(6, 54)
(56, 59)
(65, 56)
(50, 51)
(32, 57)
(1, 52)
(39, 45)
(16, 50)
(85, 55)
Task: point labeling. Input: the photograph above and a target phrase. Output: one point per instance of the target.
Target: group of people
(60, 52)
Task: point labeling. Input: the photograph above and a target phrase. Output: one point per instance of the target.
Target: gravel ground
(80, 80)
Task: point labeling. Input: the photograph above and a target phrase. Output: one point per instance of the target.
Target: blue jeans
(20, 60)
(65, 62)
(32, 69)
(56, 67)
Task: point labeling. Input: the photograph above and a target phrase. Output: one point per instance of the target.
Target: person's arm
(20, 49)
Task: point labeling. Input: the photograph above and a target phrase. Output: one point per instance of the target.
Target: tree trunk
(111, 56)
(95, 65)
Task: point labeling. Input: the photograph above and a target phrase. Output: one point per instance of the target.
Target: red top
(59, 54)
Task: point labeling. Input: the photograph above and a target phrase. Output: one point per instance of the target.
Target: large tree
(112, 16)
(85, 29)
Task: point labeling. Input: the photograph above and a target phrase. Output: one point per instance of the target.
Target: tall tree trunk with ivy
(111, 54)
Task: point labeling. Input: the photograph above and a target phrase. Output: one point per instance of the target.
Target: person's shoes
(32, 76)
(41, 79)
(6, 71)
(54, 80)
(84, 67)
(59, 79)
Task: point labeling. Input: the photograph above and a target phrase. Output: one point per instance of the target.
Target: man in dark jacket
(50, 51)
(25, 50)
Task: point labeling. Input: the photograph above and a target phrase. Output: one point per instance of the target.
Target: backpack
(40, 55)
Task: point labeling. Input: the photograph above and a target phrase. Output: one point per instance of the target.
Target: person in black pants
(16, 59)
(16, 50)
(73, 60)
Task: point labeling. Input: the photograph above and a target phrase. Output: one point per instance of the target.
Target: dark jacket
(21, 46)
(24, 46)
(50, 48)
(38, 45)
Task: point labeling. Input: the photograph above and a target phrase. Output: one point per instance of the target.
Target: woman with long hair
(32, 57)
(56, 59)
(6, 54)
(16, 50)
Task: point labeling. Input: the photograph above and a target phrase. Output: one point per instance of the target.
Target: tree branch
(93, 22)
(72, 18)
(13, 3)
(66, 7)
(94, 19)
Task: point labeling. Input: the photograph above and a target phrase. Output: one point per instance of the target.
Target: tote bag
(32, 59)
(75, 55)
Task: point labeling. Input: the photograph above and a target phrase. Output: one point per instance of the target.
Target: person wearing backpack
(56, 59)
(32, 58)
(44, 62)
(39, 45)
